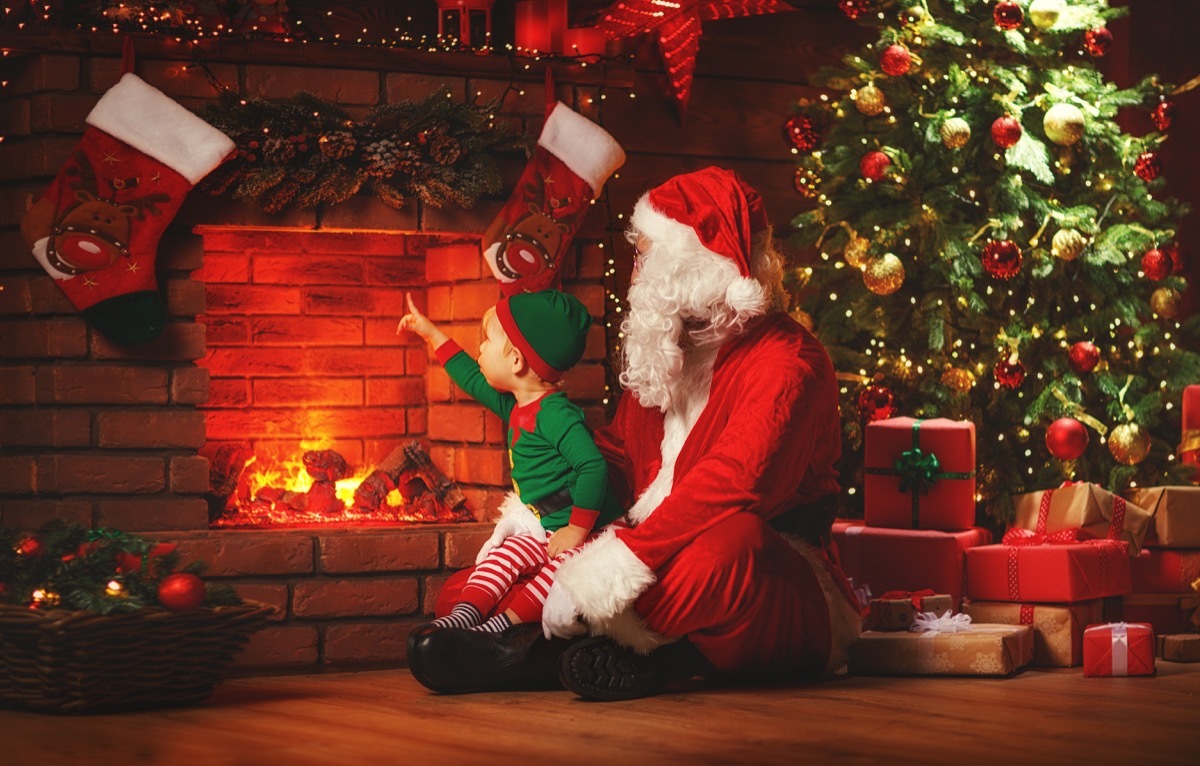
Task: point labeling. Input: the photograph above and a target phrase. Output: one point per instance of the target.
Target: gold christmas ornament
(869, 100)
(857, 252)
(1063, 124)
(1067, 244)
(955, 132)
(884, 275)
(1044, 14)
(914, 15)
(958, 379)
(1129, 444)
(1165, 301)
(802, 317)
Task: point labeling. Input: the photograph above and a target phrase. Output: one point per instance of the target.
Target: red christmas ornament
(1002, 259)
(1156, 265)
(876, 402)
(1010, 373)
(802, 132)
(1083, 356)
(854, 8)
(1163, 115)
(181, 592)
(1066, 438)
(1006, 131)
(1178, 261)
(1148, 166)
(1008, 15)
(1097, 42)
(895, 60)
(874, 165)
(30, 547)
(805, 182)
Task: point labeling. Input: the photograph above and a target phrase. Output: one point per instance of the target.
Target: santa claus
(723, 443)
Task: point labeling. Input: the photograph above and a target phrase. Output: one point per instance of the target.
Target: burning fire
(319, 488)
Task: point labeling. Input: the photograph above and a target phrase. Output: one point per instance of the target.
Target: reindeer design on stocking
(91, 233)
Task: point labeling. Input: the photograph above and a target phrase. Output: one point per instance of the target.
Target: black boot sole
(599, 669)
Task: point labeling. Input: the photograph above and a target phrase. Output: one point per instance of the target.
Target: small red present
(1189, 445)
(1119, 649)
(1047, 574)
(920, 474)
(1165, 612)
(1166, 570)
(906, 559)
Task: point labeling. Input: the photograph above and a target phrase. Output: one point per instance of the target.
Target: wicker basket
(80, 662)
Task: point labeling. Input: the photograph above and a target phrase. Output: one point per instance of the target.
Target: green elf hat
(548, 327)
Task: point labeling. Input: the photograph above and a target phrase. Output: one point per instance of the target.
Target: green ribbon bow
(919, 471)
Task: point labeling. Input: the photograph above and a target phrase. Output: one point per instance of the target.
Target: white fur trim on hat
(604, 578)
(745, 295)
(151, 122)
(583, 146)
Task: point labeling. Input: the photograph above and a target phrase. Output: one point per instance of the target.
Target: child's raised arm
(415, 321)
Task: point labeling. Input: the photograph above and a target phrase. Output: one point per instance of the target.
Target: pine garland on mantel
(303, 151)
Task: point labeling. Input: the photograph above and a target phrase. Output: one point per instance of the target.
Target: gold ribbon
(1077, 412)
(1191, 441)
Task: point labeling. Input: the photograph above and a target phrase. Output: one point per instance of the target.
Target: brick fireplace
(281, 333)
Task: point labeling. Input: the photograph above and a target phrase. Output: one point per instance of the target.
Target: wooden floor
(384, 717)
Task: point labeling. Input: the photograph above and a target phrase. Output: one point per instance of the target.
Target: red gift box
(906, 559)
(1047, 574)
(1189, 445)
(1166, 613)
(1119, 649)
(1166, 570)
(920, 474)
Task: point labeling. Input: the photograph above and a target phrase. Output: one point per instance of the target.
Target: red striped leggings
(518, 556)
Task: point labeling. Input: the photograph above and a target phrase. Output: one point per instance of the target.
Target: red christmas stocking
(524, 246)
(96, 229)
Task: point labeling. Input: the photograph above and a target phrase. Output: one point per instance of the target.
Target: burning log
(409, 468)
(325, 465)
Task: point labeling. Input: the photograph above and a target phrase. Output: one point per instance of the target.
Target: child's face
(494, 363)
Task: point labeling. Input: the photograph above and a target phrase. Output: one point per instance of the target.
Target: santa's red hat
(720, 209)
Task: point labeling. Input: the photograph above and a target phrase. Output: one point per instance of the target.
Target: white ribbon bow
(929, 622)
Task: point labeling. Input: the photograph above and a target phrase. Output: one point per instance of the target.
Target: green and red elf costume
(559, 476)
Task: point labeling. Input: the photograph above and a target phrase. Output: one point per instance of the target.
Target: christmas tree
(993, 247)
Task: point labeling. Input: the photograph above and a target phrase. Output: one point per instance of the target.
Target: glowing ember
(405, 487)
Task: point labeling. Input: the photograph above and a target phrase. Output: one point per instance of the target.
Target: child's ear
(518, 361)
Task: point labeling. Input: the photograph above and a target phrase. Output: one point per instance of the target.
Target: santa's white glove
(508, 525)
(559, 615)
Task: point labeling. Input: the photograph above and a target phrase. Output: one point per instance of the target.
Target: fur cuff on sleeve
(604, 578)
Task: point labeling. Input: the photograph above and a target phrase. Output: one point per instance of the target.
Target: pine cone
(410, 160)
(278, 151)
(446, 150)
(381, 158)
(337, 144)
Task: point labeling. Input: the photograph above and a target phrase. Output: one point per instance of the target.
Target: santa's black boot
(451, 660)
(602, 670)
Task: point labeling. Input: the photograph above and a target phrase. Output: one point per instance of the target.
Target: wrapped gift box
(1047, 574)
(1180, 648)
(1176, 515)
(920, 474)
(1189, 445)
(1057, 628)
(896, 610)
(906, 559)
(983, 650)
(1166, 570)
(1095, 512)
(1119, 649)
(1165, 612)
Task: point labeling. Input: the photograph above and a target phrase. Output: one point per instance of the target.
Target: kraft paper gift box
(1166, 570)
(1176, 515)
(1119, 649)
(1057, 628)
(920, 474)
(895, 610)
(1095, 512)
(1047, 574)
(906, 559)
(983, 650)
(1165, 612)
(1180, 648)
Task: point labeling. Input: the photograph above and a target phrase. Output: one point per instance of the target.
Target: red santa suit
(710, 469)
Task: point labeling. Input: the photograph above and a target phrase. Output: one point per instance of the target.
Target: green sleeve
(464, 371)
(566, 430)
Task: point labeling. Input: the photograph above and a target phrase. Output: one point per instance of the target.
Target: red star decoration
(677, 24)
